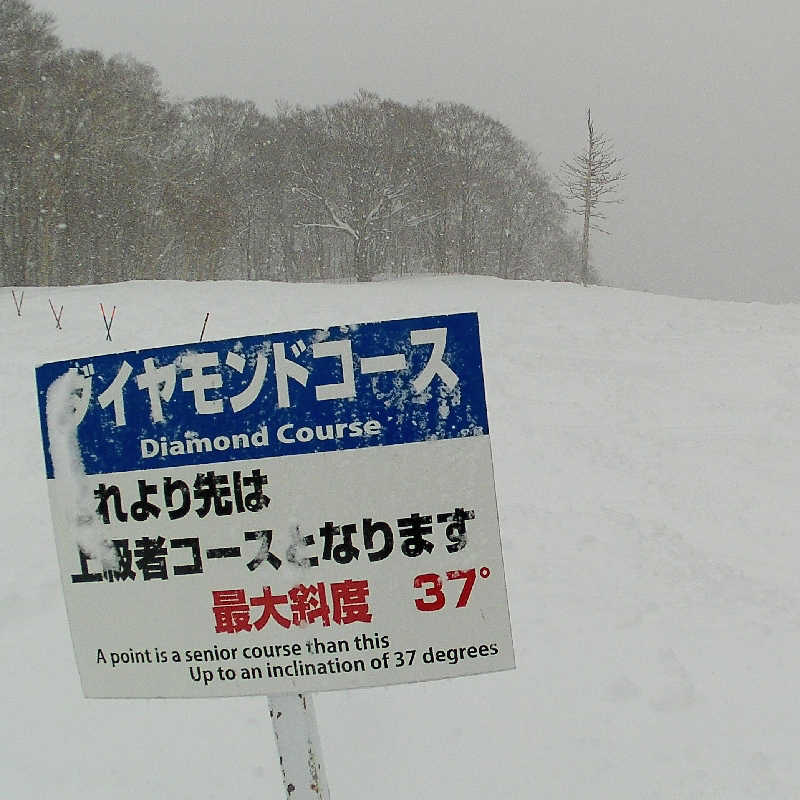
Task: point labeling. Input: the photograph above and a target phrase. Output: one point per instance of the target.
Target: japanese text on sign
(295, 512)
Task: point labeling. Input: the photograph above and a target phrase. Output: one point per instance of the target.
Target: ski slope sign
(292, 512)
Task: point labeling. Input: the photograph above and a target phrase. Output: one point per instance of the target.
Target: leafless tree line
(103, 179)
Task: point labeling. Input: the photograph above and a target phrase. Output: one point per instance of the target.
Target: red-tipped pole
(108, 321)
(57, 316)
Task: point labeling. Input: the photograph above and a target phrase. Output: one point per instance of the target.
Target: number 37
(434, 597)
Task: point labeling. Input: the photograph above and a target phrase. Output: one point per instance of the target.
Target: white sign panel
(296, 512)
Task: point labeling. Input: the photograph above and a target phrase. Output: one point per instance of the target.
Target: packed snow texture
(645, 453)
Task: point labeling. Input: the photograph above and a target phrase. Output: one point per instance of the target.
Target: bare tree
(359, 177)
(588, 179)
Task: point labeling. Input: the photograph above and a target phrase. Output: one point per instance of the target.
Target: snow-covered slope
(647, 476)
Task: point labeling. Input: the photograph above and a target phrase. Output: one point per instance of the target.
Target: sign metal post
(297, 737)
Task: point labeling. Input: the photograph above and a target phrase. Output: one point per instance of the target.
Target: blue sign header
(307, 391)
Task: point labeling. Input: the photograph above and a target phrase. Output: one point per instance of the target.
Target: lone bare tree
(588, 179)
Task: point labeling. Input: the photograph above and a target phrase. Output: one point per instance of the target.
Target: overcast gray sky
(699, 97)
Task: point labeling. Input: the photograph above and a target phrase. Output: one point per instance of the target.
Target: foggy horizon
(700, 104)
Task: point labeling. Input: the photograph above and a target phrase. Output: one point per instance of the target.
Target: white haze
(700, 98)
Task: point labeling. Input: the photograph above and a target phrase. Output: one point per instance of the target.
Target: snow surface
(645, 454)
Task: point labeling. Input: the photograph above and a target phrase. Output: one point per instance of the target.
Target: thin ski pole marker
(205, 322)
(18, 304)
(57, 316)
(108, 321)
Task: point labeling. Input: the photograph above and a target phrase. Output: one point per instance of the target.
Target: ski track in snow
(645, 453)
